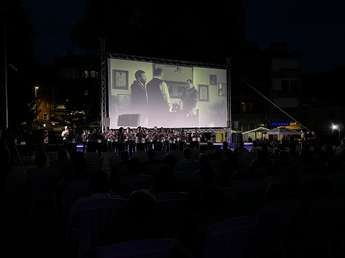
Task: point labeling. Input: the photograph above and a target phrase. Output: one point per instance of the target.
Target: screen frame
(226, 66)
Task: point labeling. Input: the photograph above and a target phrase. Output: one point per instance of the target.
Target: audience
(217, 185)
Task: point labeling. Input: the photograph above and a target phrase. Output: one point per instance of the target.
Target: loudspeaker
(132, 120)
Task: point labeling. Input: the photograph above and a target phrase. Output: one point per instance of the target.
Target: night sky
(317, 30)
(53, 21)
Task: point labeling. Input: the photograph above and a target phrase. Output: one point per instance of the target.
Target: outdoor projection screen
(150, 94)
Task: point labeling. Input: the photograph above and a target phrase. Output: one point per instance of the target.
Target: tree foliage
(21, 64)
(173, 29)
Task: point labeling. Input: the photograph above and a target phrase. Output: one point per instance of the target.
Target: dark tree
(21, 64)
(195, 30)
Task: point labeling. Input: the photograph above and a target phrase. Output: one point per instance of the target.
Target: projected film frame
(177, 63)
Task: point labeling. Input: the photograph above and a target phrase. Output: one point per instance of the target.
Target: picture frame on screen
(176, 89)
(213, 79)
(203, 93)
(120, 80)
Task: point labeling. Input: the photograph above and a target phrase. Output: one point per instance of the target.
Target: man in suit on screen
(158, 99)
(139, 99)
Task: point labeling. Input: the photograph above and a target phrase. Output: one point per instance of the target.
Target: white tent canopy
(283, 132)
(258, 130)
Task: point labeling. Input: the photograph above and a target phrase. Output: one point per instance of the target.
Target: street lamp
(36, 89)
(5, 74)
(336, 127)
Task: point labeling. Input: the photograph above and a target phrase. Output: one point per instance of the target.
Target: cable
(275, 105)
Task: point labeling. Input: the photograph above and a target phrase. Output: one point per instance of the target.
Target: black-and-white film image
(165, 95)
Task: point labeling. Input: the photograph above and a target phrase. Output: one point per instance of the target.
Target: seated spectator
(261, 166)
(5, 157)
(206, 170)
(79, 165)
(139, 220)
(41, 159)
(63, 164)
(212, 203)
(187, 166)
(41, 183)
(276, 192)
(164, 179)
(99, 182)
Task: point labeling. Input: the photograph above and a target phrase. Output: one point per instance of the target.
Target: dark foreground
(220, 203)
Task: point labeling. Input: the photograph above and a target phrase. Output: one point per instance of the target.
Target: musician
(116, 141)
(130, 141)
(107, 137)
(65, 134)
(182, 139)
(166, 140)
(140, 139)
(148, 141)
(139, 99)
(85, 136)
(121, 142)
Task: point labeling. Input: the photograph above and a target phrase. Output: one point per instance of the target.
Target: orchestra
(136, 139)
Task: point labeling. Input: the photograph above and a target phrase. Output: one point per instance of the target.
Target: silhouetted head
(170, 160)
(204, 159)
(187, 153)
(276, 192)
(5, 155)
(100, 182)
(63, 155)
(217, 155)
(283, 156)
(124, 156)
(134, 166)
(41, 159)
(141, 202)
(306, 154)
(213, 199)
(206, 171)
(262, 156)
(79, 162)
(151, 155)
